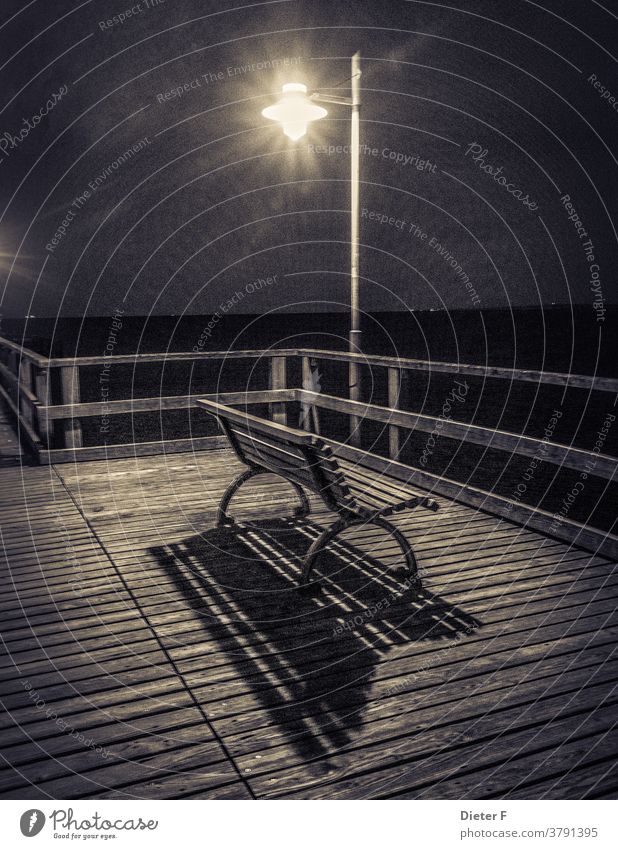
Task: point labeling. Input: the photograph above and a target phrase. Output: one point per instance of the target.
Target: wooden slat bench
(306, 462)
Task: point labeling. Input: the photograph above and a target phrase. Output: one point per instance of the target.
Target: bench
(358, 496)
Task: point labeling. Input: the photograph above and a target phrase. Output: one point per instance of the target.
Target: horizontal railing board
(598, 465)
(162, 402)
(169, 357)
(577, 381)
(13, 379)
(580, 381)
(25, 353)
(604, 466)
(591, 539)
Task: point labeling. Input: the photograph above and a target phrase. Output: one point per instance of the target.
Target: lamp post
(294, 111)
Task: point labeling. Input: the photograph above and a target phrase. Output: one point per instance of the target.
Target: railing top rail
(25, 353)
(576, 381)
(170, 357)
(579, 381)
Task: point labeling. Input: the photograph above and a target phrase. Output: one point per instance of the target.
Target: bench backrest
(294, 454)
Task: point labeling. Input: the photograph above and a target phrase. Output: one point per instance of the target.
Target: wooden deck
(147, 654)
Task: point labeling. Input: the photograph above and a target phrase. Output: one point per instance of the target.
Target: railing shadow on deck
(308, 661)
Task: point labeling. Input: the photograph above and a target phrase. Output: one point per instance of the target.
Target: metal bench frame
(265, 447)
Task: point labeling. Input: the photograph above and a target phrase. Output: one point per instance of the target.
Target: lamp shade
(294, 110)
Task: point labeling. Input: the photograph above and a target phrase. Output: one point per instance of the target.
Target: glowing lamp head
(294, 110)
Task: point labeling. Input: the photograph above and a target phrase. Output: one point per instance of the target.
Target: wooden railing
(44, 402)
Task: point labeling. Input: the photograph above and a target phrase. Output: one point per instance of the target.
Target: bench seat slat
(358, 478)
(369, 495)
(252, 435)
(257, 447)
(301, 475)
(295, 466)
(306, 460)
(313, 458)
(395, 498)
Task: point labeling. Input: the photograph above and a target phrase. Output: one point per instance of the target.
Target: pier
(148, 654)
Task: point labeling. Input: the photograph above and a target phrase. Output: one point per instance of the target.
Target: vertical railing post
(278, 380)
(69, 382)
(25, 382)
(42, 392)
(307, 384)
(394, 390)
(309, 412)
(355, 395)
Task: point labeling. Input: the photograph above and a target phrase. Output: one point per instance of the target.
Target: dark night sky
(218, 197)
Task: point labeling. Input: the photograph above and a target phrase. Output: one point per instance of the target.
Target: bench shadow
(309, 661)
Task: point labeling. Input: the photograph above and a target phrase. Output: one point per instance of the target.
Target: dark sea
(555, 338)
(561, 338)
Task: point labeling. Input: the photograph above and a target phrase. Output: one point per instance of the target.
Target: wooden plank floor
(147, 654)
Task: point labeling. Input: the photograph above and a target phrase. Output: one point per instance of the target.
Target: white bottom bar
(280, 825)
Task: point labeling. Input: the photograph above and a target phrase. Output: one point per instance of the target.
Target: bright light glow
(294, 111)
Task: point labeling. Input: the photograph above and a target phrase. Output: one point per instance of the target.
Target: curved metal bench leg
(318, 544)
(304, 508)
(330, 533)
(224, 519)
(404, 545)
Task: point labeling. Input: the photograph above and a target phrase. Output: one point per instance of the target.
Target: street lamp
(294, 111)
